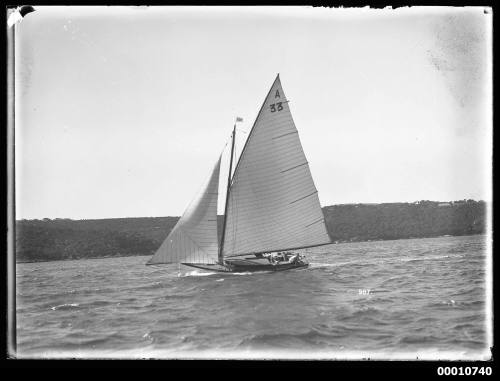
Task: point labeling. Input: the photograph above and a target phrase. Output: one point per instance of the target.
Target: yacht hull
(248, 265)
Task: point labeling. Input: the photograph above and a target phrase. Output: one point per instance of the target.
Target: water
(426, 299)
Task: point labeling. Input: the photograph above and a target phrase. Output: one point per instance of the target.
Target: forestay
(194, 238)
(273, 203)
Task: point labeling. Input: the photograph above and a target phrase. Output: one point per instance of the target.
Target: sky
(123, 111)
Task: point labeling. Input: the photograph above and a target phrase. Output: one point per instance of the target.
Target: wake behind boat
(272, 206)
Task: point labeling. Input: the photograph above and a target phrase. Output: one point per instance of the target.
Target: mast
(221, 246)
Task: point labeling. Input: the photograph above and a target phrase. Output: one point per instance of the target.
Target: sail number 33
(276, 106)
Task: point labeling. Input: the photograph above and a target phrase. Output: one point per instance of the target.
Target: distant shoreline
(148, 255)
(64, 239)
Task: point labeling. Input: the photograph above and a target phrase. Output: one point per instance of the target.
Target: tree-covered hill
(42, 240)
(363, 222)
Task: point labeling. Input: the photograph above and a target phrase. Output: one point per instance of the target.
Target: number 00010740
(464, 370)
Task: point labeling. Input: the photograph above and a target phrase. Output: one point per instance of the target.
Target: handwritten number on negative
(276, 106)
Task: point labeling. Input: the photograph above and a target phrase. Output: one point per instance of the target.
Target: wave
(99, 303)
(455, 303)
(150, 286)
(271, 339)
(149, 337)
(424, 339)
(66, 306)
(414, 259)
(339, 264)
(317, 310)
(320, 265)
(463, 326)
(251, 273)
(197, 273)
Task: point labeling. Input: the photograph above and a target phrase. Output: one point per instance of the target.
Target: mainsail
(194, 238)
(273, 203)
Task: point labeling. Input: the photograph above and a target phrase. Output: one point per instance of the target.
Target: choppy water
(427, 298)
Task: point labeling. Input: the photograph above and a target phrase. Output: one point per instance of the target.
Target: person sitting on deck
(269, 257)
(279, 257)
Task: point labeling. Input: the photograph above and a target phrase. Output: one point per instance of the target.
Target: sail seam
(300, 165)
(304, 197)
(284, 195)
(293, 229)
(289, 133)
(297, 230)
(315, 222)
(193, 235)
(193, 241)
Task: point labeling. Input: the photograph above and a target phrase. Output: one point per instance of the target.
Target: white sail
(273, 203)
(194, 237)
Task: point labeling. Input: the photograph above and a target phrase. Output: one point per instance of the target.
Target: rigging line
(234, 153)
(233, 211)
(159, 263)
(225, 145)
(220, 255)
(234, 207)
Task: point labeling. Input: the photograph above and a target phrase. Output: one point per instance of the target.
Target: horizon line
(326, 206)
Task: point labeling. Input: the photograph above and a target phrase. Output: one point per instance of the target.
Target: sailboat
(272, 207)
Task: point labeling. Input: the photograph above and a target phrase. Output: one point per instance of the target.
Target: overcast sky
(123, 111)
